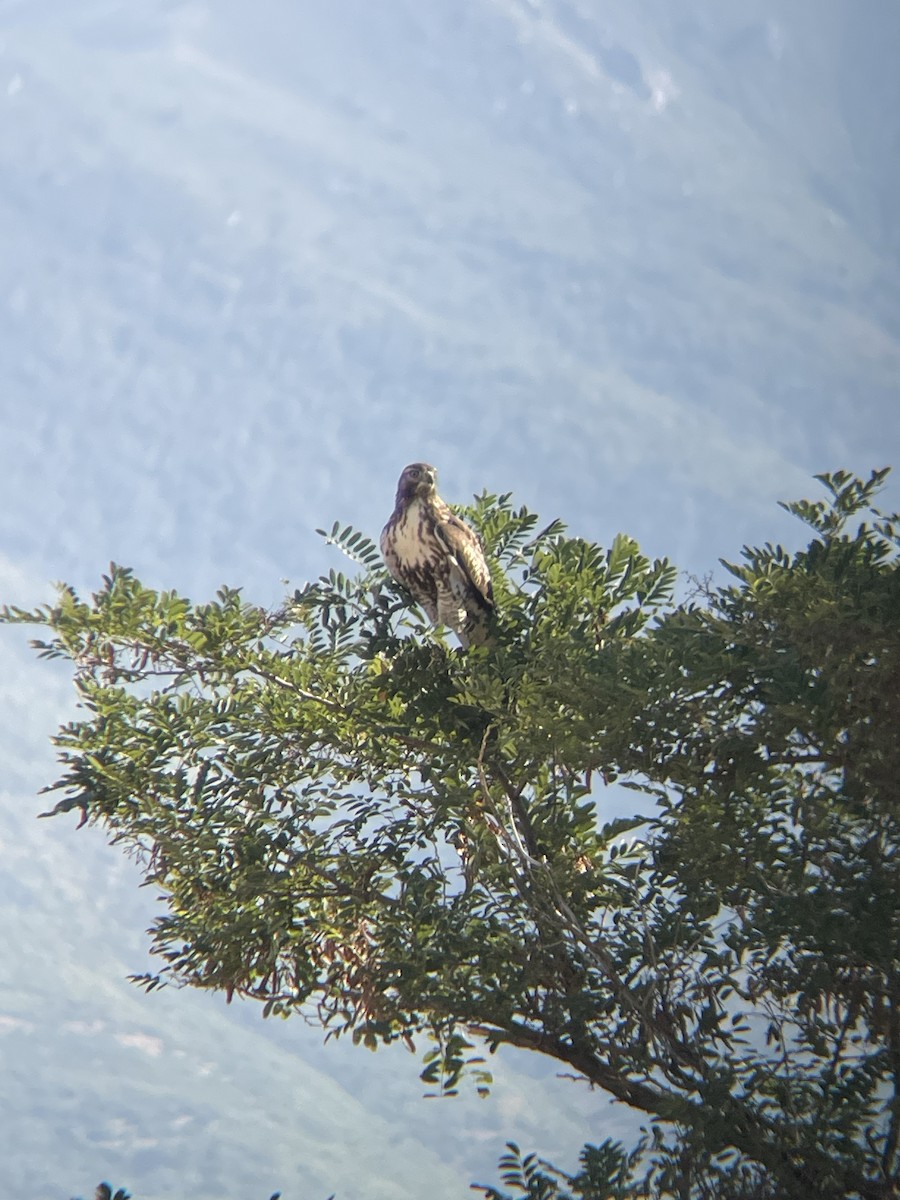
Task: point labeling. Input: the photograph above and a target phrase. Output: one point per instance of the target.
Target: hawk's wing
(463, 546)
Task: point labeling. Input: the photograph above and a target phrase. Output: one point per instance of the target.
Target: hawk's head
(418, 479)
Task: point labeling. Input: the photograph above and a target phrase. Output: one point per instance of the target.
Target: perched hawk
(438, 557)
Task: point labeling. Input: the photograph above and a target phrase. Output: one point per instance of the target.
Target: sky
(637, 264)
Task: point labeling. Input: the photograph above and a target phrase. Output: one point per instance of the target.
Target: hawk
(438, 557)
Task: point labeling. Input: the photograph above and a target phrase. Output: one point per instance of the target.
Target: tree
(351, 819)
(104, 1192)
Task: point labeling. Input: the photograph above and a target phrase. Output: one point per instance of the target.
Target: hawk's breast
(413, 555)
(409, 538)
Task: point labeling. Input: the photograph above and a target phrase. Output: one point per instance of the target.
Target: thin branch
(639, 1095)
(297, 691)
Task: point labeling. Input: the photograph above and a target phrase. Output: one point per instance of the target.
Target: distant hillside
(648, 243)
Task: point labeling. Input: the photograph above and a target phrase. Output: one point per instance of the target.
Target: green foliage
(606, 1174)
(104, 1192)
(349, 819)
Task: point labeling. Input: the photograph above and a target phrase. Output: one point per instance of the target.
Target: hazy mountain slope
(336, 224)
